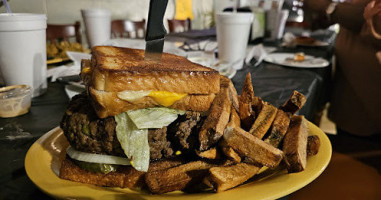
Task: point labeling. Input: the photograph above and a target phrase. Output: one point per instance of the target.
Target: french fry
(257, 105)
(211, 153)
(313, 145)
(294, 103)
(177, 178)
(295, 144)
(234, 120)
(231, 154)
(245, 102)
(263, 121)
(214, 125)
(233, 96)
(227, 177)
(278, 128)
(250, 146)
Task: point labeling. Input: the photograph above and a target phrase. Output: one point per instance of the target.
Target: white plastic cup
(23, 50)
(275, 23)
(232, 37)
(98, 25)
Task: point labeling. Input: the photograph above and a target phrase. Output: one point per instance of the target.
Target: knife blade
(155, 30)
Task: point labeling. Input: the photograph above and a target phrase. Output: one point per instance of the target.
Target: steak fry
(224, 178)
(234, 119)
(225, 82)
(257, 105)
(263, 121)
(295, 144)
(313, 145)
(211, 153)
(294, 103)
(231, 154)
(278, 128)
(177, 178)
(246, 113)
(214, 125)
(253, 148)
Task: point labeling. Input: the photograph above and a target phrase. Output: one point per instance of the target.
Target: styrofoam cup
(275, 23)
(232, 37)
(23, 50)
(98, 25)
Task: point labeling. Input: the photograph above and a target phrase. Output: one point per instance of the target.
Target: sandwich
(136, 116)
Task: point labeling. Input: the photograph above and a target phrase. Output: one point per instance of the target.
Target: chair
(128, 29)
(56, 33)
(176, 26)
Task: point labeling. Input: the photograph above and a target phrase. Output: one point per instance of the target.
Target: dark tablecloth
(271, 82)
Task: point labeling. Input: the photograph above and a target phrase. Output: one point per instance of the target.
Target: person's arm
(349, 16)
(346, 14)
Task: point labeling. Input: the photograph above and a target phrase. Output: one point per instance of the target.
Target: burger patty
(86, 132)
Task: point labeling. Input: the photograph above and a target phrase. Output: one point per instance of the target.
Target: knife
(155, 30)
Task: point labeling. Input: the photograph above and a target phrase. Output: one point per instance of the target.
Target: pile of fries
(240, 135)
(58, 49)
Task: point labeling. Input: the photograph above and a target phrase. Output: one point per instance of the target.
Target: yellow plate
(43, 160)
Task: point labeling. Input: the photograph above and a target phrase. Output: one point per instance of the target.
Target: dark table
(271, 82)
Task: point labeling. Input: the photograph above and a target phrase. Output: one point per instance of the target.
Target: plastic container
(15, 100)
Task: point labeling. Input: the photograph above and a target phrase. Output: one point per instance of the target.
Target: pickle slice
(96, 167)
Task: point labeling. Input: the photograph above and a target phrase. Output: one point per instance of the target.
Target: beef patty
(86, 132)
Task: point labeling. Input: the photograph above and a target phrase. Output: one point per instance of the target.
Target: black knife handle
(155, 25)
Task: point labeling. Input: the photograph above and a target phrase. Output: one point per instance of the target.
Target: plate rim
(269, 60)
(96, 190)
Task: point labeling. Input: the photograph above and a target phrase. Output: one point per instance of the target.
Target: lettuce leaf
(134, 142)
(154, 117)
(132, 132)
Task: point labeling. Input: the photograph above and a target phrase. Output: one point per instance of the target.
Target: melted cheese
(86, 70)
(163, 98)
(166, 98)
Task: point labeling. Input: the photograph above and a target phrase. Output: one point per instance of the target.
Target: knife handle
(155, 25)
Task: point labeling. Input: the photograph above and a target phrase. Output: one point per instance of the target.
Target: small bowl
(15, 100)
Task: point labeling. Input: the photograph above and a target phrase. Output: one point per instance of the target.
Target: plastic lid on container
(22, 21)
(96, 12)
(235, 17)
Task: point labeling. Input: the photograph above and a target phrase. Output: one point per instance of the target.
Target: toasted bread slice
(295, 144)
(252, 147)
(294, 103)
(263, 121)
(124, 177)
(226, 177)
(116, 69)
(109, 104)
(278, 128)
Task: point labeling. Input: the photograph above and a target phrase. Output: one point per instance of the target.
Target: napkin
(289, 40)
(70, 69)
(257, 54)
